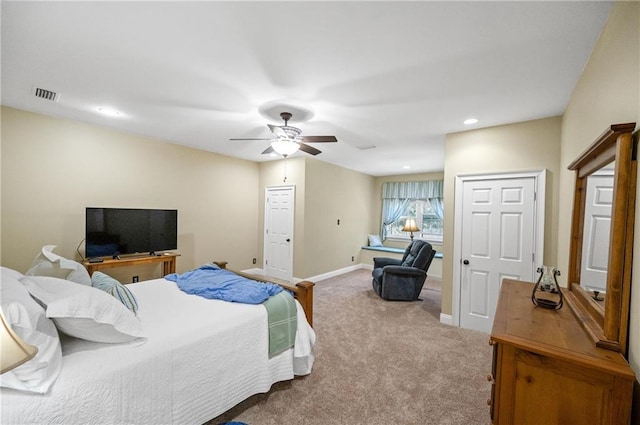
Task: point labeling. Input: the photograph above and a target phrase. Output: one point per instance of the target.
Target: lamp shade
(410, 225)
(13, 350)
(285, 147)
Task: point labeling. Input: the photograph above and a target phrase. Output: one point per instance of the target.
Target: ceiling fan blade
(268, 150)
(309, 149)
(278, 132)
(319, 139)
(250, 139)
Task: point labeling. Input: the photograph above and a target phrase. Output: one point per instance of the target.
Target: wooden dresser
(546, 370)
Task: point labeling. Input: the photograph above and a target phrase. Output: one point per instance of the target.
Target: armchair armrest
(385, 261)
(403, 270)
(399, 282)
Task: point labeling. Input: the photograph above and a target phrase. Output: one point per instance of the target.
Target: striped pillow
(119, 291)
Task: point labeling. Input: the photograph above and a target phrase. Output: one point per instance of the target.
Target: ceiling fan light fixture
(285, 147)
(287, 140)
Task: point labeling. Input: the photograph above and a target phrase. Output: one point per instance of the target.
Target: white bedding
(201, 357)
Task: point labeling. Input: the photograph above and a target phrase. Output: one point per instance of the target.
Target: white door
(597, 226)
(278, 232)
(497, 242)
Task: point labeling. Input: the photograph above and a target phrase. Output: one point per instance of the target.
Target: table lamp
(410, 226)
(13, 350)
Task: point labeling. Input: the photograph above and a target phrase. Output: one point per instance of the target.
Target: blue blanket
(210, 281)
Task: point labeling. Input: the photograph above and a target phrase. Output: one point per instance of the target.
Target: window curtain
(413, 190)
(392, 209)
(397, 195)
(437, 206)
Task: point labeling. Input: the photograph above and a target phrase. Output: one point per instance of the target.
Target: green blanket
(283, 322)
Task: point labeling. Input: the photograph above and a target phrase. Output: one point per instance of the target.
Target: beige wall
(1, 179)
(53, 168)
(526, 146)
(324, 193)
(334, 193)
(608, 93)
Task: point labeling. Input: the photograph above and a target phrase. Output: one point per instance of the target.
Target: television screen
(118, 231)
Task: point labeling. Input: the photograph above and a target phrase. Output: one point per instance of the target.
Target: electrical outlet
(135, 279)
(353, 258)
(254, 261)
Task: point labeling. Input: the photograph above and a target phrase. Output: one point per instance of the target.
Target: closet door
(278, 232)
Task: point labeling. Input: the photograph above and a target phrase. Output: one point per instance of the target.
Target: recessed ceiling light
(470, 121)
(406, 167)
(110, 112)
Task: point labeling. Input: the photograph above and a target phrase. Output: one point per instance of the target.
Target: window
(421, 200)
(426, 219)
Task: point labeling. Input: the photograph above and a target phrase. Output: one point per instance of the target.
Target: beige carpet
(380, 362)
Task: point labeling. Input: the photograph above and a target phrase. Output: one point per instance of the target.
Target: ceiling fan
(287, 140)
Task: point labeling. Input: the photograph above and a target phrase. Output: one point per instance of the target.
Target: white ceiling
(394, 75)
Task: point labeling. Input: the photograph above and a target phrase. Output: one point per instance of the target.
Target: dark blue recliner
(402, 280)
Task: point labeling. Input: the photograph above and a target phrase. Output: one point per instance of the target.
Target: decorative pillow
(374, 240)
(28, 320)
(112, 287)
(84, 312)
(49, 264)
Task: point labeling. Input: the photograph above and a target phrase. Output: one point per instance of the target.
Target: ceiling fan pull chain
(285, 170)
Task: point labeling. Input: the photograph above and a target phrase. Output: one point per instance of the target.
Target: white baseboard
(259, 272)
(366, 266)
(446, 319)
(317, 278)
(334, 273)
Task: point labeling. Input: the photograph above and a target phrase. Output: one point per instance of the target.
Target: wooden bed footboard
(302, 291)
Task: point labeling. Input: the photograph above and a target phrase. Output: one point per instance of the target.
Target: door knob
(465, 262)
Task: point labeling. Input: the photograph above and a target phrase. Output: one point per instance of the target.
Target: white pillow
(10, 272)
(374, 240)
(49, 264)
(28, 320)
(84, 312)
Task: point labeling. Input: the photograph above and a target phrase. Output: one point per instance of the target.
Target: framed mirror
(601, 250)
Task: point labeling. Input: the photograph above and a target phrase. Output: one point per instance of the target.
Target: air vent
(45, 94)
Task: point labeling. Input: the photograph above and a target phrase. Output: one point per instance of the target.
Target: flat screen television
(121, 231)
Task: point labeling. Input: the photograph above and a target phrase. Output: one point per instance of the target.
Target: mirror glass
(601, 252)
(597, 231)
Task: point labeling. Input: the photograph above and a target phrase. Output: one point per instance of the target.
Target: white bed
(201, 357)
